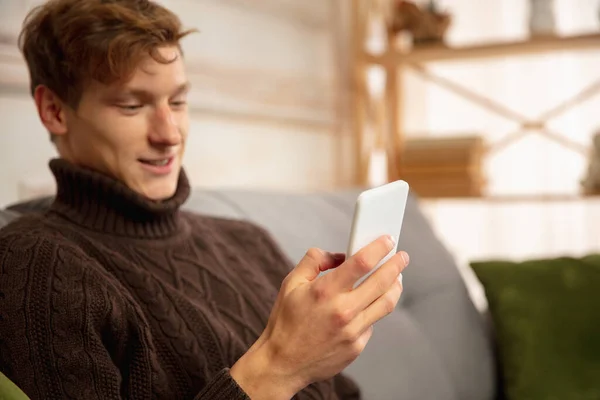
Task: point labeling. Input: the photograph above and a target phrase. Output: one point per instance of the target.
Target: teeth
(159, 163)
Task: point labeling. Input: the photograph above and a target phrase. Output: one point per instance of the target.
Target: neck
(101, 203)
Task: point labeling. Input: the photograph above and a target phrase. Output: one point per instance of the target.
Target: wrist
(260, 376)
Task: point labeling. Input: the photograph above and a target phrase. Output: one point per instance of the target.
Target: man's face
(134, 132)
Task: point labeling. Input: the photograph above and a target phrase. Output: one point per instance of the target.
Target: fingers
(361, 263)
(314, 261)
(380, 281)
(380, 308)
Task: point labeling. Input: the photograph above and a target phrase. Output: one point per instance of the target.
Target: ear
(51, 110)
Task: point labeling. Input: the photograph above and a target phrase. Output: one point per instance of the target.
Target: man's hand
(319, 325)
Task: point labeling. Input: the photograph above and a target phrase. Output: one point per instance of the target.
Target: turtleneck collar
(106, 205)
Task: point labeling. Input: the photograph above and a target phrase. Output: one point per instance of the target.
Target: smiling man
(134, 131)
(114, 292)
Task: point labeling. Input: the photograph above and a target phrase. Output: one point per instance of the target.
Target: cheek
(126, 134)
(115, 141)
(183, 122)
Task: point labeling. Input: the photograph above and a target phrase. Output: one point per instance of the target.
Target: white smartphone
(378, 211)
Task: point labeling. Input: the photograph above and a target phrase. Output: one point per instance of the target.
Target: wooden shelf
(525, 198)
(495, 50)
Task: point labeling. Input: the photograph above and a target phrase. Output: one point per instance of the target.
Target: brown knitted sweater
(111, 296)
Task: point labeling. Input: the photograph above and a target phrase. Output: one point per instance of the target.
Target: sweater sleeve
(69, 333)
(222, 387)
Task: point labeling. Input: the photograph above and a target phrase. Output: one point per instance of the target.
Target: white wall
(263, 106)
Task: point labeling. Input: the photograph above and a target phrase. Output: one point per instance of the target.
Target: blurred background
(487, 108)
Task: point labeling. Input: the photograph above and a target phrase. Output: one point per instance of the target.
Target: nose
(164, 129)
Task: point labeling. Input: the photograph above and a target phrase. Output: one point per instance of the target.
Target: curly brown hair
(68, 43)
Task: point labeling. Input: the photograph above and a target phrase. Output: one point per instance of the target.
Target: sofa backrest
(7, 216)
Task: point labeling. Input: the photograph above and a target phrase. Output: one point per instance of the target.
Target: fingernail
(405, 257)
(391, 241)
(400, 278)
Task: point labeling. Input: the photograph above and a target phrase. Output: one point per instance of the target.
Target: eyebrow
(145, 94)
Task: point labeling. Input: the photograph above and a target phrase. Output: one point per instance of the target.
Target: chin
(161, 195)
(157, 189)
(161, 192)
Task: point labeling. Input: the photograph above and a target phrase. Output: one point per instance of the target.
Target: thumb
(314, 261)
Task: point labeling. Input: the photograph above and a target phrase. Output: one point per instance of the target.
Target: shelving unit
(500, 49)
(382, 117)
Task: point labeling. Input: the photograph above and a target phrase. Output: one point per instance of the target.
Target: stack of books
(444, 166)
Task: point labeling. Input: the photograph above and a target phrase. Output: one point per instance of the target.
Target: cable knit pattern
(111, 296)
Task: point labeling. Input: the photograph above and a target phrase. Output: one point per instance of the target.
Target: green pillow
(546, 317)
(10, 391)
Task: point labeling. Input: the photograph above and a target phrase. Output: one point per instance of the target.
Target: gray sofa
(435, 346)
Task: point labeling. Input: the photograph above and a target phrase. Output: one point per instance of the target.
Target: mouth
(156, 162)
(158, 166)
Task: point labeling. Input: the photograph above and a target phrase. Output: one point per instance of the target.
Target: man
(116, 293)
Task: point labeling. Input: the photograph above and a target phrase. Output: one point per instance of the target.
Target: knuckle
(341, 317)
(349, 336)
(389, 304)
(356, 348)
(382, 285)
(320, 293)
(362, 263)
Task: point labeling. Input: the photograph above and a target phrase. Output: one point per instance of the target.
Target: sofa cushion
(547, 324)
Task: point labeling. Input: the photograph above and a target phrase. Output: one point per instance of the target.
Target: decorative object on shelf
(591, 183)
(425, 25)
(444, 166)
(541, 18)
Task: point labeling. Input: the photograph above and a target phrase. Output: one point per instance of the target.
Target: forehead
(151, 69)
(149, 76)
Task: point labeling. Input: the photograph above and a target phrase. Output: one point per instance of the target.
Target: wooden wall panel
(272, 59)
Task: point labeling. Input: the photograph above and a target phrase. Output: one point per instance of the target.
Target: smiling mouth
(158, 162)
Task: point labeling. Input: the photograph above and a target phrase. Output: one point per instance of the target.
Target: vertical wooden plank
(393, 99)
(340, 81)
(394, 107)
(358, 90)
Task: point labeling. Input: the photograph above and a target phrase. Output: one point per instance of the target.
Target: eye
(130, 107)
(179, 103)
